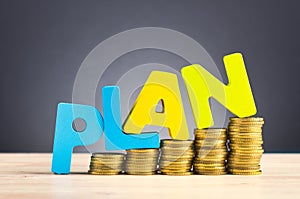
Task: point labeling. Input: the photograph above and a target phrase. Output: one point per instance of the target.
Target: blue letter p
(66, 138)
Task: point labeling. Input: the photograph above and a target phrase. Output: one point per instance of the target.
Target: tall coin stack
(246, 149)
(210, 151)
(176, 157)
(141, 161)
(106, 163)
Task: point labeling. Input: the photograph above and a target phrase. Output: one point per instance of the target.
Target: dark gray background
(42, 44)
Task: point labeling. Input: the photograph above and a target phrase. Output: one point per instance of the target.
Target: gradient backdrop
(42, 44)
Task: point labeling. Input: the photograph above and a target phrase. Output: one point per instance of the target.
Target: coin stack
(210, 151)
(141, 161)
(106, 163)
(176, 157)
(245, 145)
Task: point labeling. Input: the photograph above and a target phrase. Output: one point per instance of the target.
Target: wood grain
(29, 176)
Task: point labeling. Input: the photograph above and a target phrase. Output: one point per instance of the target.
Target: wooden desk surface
(29, 176)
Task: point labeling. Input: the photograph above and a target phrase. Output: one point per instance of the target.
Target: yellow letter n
(236, 96)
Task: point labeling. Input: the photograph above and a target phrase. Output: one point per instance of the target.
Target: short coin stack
(246, 149)
(176, 157)
(106, 163)
(210, 151)
(141, 161)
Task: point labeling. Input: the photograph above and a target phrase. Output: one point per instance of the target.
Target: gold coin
(214, 136)
(245, 143)
(246, 139)
(208, 140)
(175, 161)
(247, 150)
(176, 150)
(182, 148)
(146, 165)
(245, 122)
(210, 130)
(172, 151)
(210, 159)
(177, 157)
(238, 133)
(204, 137)
(244, 130)
(142, 150)
(148, 158)
(140, 173)
(175, 164)
(105, 170)
(244, 125)
(244, 154)
(211, 138)
(212, 162)
(178, 169)
(107, 159)
(204, 166)
(211, 172)
(250, 124)
(214, 173)
(174, 169)
(209, 148)
(187, 164)
(105, 165)
(175, 142)
(140, 170)
(208, 167)
(256, 119)
(243, 170)
(243, 160)
(210, 155)
(102, 173)
(210, 133)
(206, 146)
(248, 174)
(141, 163)
(177, 154)
(245, 136)
(145, 158)
(212, 150)
(247, 146)
(178, 173)
(173, 154)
